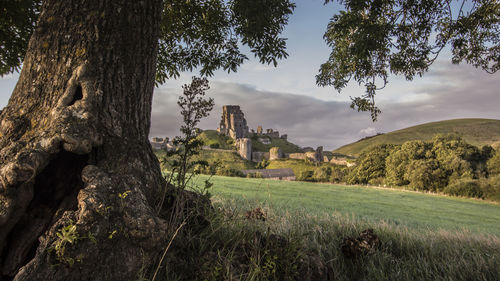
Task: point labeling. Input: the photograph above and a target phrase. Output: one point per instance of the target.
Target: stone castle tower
(233, 122)
(244, 147)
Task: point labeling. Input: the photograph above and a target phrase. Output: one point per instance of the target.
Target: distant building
(259, 130)
(264, 140)
(161, 143)
(275, 174)
(157, 143)
(273, 134)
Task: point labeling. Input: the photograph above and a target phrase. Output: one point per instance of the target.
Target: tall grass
(301, 236)
(293, 245)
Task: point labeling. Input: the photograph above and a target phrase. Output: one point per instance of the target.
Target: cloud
(454, 92)
(370, 131)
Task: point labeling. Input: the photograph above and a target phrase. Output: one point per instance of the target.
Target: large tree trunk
(74, 146)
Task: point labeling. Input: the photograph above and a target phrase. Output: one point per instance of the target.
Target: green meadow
(422, 237)
(416, 211)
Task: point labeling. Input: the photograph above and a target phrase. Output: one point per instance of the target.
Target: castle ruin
(244, 146)
(275, 153)
(233, 122)
(234, 125)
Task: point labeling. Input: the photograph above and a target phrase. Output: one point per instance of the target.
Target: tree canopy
(445, 162)
(369, 39)
(204, 34)
(16, 25)
(372, 39)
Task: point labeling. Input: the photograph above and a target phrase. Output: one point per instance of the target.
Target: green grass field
(477, 132)
(422, 237)
(297, 165)
(417, 211)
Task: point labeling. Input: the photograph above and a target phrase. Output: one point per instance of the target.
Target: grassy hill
(229, 159)
(225, 158)
(212, 137)
(285, 145)
(478, 132)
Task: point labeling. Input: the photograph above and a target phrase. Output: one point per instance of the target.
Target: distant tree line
(447, 165)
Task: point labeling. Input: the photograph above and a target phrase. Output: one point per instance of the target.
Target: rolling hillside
(478, 132)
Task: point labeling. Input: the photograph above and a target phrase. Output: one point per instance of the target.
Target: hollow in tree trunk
(78, 178)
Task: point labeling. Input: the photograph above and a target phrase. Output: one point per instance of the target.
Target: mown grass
(417, 211)
(477, 132)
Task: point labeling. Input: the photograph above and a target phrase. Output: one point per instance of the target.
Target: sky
(287, 99)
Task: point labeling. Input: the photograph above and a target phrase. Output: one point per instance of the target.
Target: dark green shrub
(399, 159)
(306, 176)
(494, 164)
(228, 172)
(322, 174)
(426, 175)
(376, 181)
(338, 174)
(262, 164)
(465, 188)
(370, 164)
(214, 145)
(491, 188)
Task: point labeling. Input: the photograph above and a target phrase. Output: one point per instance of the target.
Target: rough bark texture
(74, 146)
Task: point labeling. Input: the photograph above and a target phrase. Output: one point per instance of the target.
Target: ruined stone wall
(233, 122)
(315, 156)
(273, 134)
(341, 161)
(311, 155)
(300, 156)
(275, 153)
(244, 146)
(259, 156)
(319, 154)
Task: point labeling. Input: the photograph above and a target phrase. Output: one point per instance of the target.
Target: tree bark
(75, 150)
